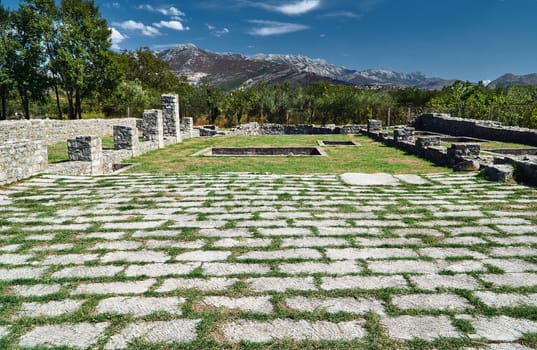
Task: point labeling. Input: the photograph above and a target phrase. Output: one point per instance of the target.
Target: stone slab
(266, 331)
(154, 332)
(335, 305)
(259, 304)
(423, 327)
(140, 306)
(378, 179)
(79, 335)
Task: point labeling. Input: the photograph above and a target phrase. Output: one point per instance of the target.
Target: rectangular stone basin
(336, 143)
(260, 151)
(515, 151)
(460, 139)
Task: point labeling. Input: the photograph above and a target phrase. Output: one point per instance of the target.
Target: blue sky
(457, 39)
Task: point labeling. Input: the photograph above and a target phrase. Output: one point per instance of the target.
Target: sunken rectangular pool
(260, 151)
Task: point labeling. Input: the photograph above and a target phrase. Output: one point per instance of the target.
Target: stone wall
(21, 159)
(54, 131)
(481, 129)
(299, 129)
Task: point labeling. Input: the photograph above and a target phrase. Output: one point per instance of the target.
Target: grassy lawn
(58, 152)
(369, 157)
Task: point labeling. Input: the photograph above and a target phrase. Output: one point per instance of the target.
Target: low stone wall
(481, 129)
(54, 131)
(21, 159)
(299, 129)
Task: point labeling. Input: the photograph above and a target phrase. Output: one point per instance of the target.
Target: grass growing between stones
(369, 157)
(270, 208)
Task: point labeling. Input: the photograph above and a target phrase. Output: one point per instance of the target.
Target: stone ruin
(24, 158)
(462, 156)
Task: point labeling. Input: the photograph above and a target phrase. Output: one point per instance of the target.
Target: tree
(26, 57)
(5, 46)
(82, 52)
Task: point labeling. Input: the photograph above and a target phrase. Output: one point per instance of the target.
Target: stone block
(170, 117)
(187, 126)
(374, 125)
(87, 149)
(467, 165)
(403, 134)
(464, 150)
(428, 141)
(153, 127)
(125, 137)
(499, 172)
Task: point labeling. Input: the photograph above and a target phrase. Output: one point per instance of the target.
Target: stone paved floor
(297, 261)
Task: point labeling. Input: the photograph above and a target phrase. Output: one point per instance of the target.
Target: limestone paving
(216, 260)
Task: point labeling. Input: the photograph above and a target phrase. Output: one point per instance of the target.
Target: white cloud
(347, 14)
(175, 25)
(298, 8)
(217, 32)
(131, 25)
(117, 38)
(291, 8)
(266, 28)
(166, 11)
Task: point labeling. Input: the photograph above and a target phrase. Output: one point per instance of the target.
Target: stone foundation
(21, 159)
(481, 129)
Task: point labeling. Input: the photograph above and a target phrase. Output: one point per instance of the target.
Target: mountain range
(233, 70)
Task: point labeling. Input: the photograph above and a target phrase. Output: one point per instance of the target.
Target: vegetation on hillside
(56, 61)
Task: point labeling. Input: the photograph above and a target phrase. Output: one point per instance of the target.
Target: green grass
(58, 152)
(370, 157)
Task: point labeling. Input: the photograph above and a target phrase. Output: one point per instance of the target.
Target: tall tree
(82, 52)
(5, 45)
(26, 58)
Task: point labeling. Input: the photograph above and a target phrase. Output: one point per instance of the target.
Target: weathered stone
(301, 253)
(503, 328)
(252, 304)
(21, 273)
(87, 272)
(281, 284)
(431, 282)
(159, 269)
(335, 305)
(78, 335)
(140, 306)
(335, 268)
(49, 309)
(431, 302)
(200, 255)
(363, 282)
(137, 287)
(36, 290)
(154, 332)
(423, 327)
(224, 269)
(263, 331)
(498, 300)
(515, 280)
(211, 284)
(378, 179)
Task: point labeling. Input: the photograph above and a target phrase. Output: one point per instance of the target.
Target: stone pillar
(374, 125)
(403, 134)
(188, 126)
(87, 149)
(125, 137)
(152, 127)
(170, 117)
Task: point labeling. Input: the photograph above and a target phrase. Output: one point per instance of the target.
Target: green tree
(5, 46)
(26, 56)
(82, 53)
